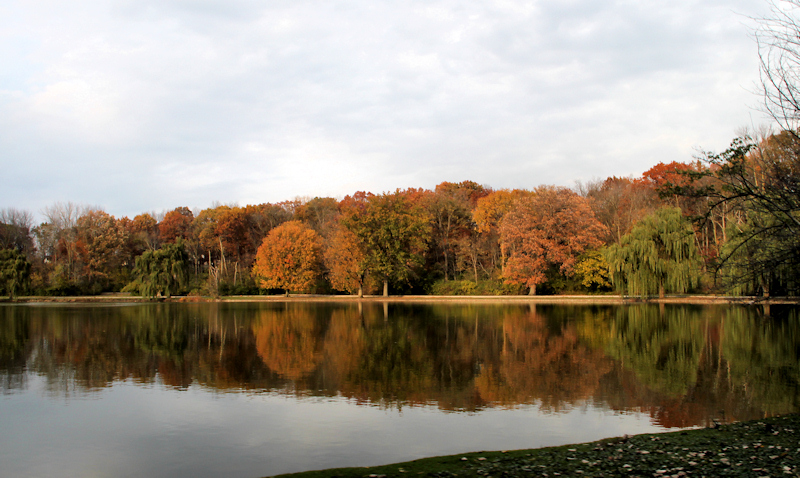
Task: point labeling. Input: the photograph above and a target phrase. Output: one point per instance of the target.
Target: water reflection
(683, 365)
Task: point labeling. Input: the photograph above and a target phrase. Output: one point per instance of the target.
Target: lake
(261, 388)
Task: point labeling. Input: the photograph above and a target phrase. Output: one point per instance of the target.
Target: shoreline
(757, 448)
(502, 299)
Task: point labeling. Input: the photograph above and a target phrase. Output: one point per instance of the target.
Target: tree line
(724, 222)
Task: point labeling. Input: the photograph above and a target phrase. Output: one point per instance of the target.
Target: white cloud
(167, 103)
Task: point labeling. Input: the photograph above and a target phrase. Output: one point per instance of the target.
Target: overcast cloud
(142, 105)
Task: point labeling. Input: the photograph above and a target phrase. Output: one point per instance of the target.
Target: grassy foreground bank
(760, 448)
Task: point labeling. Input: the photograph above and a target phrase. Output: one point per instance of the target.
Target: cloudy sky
(146, 105)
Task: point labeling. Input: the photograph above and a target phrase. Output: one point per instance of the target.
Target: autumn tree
(176, 224)
(619, 202)
(549, 229)
(319, 213)
(261, 219)
(470, 190)
(488, 215)
(658, 256)
(145, 227)
(15, 272)
(141, 234)
(289, 258)
(451, 220)
(231, 229)
(204, 226)
(101, 241)
(346, 262)
(392, 230)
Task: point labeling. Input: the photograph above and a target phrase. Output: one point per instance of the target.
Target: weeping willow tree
(161, 272)
(15, 271)
(659, 255)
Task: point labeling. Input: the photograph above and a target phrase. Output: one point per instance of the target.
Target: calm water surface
(257, 389)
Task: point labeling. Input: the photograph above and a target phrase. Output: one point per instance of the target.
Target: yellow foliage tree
(289, 258)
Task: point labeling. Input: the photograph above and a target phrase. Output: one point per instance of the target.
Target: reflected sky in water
(262, 389)
(134, 430)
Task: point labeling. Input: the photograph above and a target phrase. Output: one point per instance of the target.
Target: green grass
(760, 448)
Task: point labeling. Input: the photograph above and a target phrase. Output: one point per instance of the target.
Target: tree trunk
(502, 258)
(386, 288)
(661, 290)
(360, 292)
(446, 266)
(532, 290)
(222, 258)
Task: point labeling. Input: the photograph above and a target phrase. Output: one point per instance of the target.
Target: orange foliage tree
(144, 231)
(176, 224)
(346, 262)
(488, 215)
(664, 178)
(289, 258)
(548, 229)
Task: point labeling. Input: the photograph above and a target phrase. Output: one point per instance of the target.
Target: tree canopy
(346, 262)
(289, 258)
(15, 272)
(548, 229)
(658, 256)
(161, 272)
(392, 230)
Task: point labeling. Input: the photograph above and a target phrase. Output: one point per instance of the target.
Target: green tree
(658, 255)
(15, 272)
(161, 272)
(758, 183)
(392, 230)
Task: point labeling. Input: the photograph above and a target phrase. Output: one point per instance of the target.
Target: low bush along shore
(759, 448)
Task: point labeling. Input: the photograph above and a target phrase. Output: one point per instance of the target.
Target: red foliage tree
(551, 228)
(176, 224)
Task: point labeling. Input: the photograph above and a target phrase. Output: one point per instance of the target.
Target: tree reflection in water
(684, 365)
